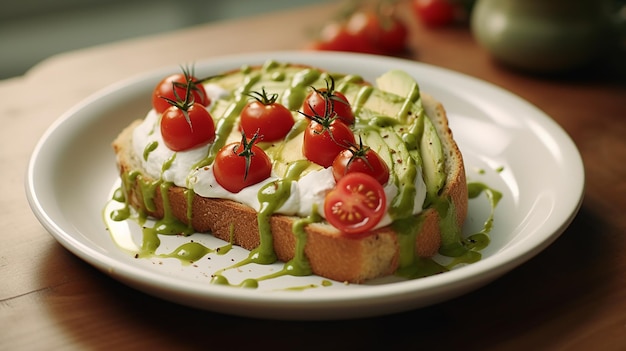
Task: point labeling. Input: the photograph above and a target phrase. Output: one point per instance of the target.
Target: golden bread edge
(331, 254)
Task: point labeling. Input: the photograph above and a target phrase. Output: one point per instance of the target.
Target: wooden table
(571, 296)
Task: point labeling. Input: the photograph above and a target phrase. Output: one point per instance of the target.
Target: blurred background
(533, 38)
(32, 30)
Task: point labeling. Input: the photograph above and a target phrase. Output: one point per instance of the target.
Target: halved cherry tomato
(324, 101)
(360, 159)
(185, 126)
(270, 119)
(240, 164)
(435, 13)
(174, 87)
(356, 204)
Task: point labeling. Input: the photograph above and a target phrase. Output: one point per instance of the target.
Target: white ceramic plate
(507, 143)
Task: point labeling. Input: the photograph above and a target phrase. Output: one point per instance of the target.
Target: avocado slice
(433, 160)
(400, 83)
(430, 149)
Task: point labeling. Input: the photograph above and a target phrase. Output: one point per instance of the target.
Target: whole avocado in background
(547, 35)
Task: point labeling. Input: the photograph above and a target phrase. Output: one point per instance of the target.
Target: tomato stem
(190, 85)
(329, 93)
(247, 150)
(262, 97)
(359, 151)
(326, 121)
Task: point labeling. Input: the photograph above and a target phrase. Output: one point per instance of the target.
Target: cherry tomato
(434, 13)
(186, 126)
(363, 160)
(267, 117)
(324, 139)
(174, 87)
(327, 134)
(317, 103)
(335, 37)
(240, 164)
(356, 204)
(384, 34)
(364, 31)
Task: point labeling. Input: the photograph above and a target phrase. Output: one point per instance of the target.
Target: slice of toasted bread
(330, 253)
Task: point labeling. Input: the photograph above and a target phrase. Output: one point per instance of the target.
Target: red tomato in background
(334, 37)
(324, 139)
(178, 83)
(240, 164)
(364, 32)
(356, 204)
(183, 130)
(315, 104)
(270, 119)
(363, 160)
(383, 35)
(435, 13)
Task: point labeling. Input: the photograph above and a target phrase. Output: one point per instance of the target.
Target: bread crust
(330, 253)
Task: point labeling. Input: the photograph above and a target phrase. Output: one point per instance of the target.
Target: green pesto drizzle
(493, 196)
(343, 83)
(189, 252)
(467, 250)
(414, 96)
(148, 192)
(361, 97)
(451, 236)
(121, 195)
(293, 97)
(169, 224)
(410, 265)
(246, 283)
(323, 283)
(295, 94)
(402, 203)
(278, 76)
(299, 264)
(407, 229)
(118, 195)
(270, 65)
(380, 122)
(305, 77)
(149, 148)
(461, 250)
(186, 253)
(271, 197)
(123, 213)
(168, 163)
(189, 195)
(149, 244)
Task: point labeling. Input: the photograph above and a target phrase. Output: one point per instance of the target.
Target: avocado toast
(408, 129)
